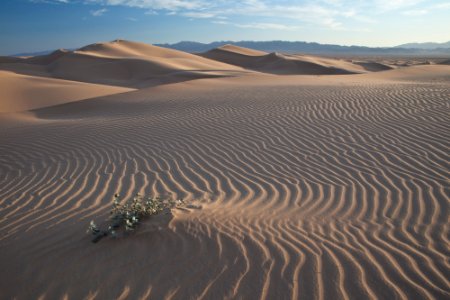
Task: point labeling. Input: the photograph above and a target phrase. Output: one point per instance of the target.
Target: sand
(284, 64)
(300, 187)
(24, 92)
(121, 63)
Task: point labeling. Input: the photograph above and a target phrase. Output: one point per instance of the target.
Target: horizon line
(221, 41)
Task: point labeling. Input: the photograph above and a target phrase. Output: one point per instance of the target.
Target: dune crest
(241, 50)
(277, 63)
(373, 66)
(121, 63)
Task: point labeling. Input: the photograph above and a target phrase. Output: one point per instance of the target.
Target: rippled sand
(302, 187)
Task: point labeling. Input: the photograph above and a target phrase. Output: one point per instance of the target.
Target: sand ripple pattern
(308, 192)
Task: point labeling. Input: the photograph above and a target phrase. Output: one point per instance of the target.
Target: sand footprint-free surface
(302, 187)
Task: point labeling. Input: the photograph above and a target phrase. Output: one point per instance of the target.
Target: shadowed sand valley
(331, 182)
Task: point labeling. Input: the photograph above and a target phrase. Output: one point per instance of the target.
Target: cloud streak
(271, 14)
(200, 15)
(98, 12)
(51, 1)
(267, 26)
(417, 12)
(154, 4)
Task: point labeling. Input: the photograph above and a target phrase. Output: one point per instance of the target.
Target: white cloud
(98, 12)
(332, 14)
(221, 22)
(200, 15)
(267, 26)
(349, 13)
(386, 5)
(443, 5)
(50, 1)
(155, 4)
(316, 12)
(416, 12)
(331, 23)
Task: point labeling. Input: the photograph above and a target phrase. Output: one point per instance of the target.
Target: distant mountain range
(316, 48)
(427, 46)
(413, 49)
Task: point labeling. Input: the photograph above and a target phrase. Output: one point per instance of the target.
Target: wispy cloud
(332, 23)
(200, 15)
(50, 1)
(220, 22)
(257, 25)
(387, 5)
(98, 12)
(415, 12)
(443, 5)
(154, 4)
(267, 26)
(285, 14)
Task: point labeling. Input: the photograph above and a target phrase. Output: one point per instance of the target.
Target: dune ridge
(121, 63)
(277, 63)
(301, 187)
(126, 64)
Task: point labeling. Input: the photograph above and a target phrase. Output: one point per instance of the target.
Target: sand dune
(122, 63)
(24, 92)
(373, 66)
(305, 187)
(277, 63)
(10, 59)
(31, 61)
(416, 73)
(46, 59)
(239, 50)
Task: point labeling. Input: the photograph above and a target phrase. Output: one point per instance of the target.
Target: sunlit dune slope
(277, 63)
(25, 92)
(121, 63)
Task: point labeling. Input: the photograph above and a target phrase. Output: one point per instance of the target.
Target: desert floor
(299, 186)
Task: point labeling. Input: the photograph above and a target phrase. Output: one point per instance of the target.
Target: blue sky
(34, 25)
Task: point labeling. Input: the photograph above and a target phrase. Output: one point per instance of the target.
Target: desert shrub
(129, 214)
